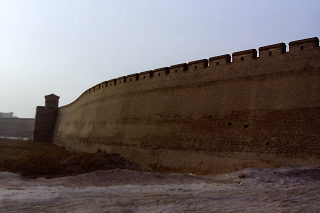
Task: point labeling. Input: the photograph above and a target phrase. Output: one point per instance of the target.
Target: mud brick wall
(206, 116)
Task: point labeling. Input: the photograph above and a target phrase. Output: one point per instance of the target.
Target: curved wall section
(207, 116)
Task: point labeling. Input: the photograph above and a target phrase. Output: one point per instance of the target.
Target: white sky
(67, 46)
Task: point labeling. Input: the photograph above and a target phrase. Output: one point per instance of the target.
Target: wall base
(197, 162)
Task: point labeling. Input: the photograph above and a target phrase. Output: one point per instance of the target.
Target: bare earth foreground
(126, 187)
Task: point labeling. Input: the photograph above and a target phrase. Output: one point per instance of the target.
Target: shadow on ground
(35, 159)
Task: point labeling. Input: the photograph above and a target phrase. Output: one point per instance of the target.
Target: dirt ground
(57, 180)
(35, 159)
(289, 189)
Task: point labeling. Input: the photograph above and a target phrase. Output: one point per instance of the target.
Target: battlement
(304, 44)
(275, 49)
(161, 71)
(198, 64)
(133, 77)
(146, 75)
(220, 60)
(244, 55)
(270, 52)
(178, 68)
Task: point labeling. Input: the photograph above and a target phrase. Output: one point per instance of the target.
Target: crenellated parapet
(178, 68)
(133, 77)
(198, 64)
(161, 71)
(244, 55)
(304, 44)
(269, 52)
(275, 49)
(220, 60)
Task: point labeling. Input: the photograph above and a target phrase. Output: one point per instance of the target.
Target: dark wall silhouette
(16, 127)
(45, 119)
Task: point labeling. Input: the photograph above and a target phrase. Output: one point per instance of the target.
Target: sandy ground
(290, 189)
(39, 177)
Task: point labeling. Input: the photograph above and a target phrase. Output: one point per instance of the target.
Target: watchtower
(45, 119)
(52, 101)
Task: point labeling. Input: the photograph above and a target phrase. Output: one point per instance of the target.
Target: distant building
(11, 126)
(6, 115)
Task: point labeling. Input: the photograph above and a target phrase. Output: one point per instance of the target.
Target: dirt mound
(34, 159)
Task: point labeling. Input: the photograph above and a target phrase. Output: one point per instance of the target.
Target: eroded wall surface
(207, 116)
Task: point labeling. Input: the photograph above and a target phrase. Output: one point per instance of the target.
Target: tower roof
(51, 95)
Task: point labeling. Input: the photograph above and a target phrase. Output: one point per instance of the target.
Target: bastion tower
(45, 119)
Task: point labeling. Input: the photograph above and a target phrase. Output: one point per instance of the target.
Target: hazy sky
(67, 46)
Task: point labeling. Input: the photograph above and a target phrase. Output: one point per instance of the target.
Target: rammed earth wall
(207, 116)
(16, 127)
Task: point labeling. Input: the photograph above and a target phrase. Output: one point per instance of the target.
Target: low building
(11, 126)
(6, 115)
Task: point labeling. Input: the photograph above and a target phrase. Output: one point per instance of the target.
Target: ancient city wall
(16, 127)
(208, 116)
